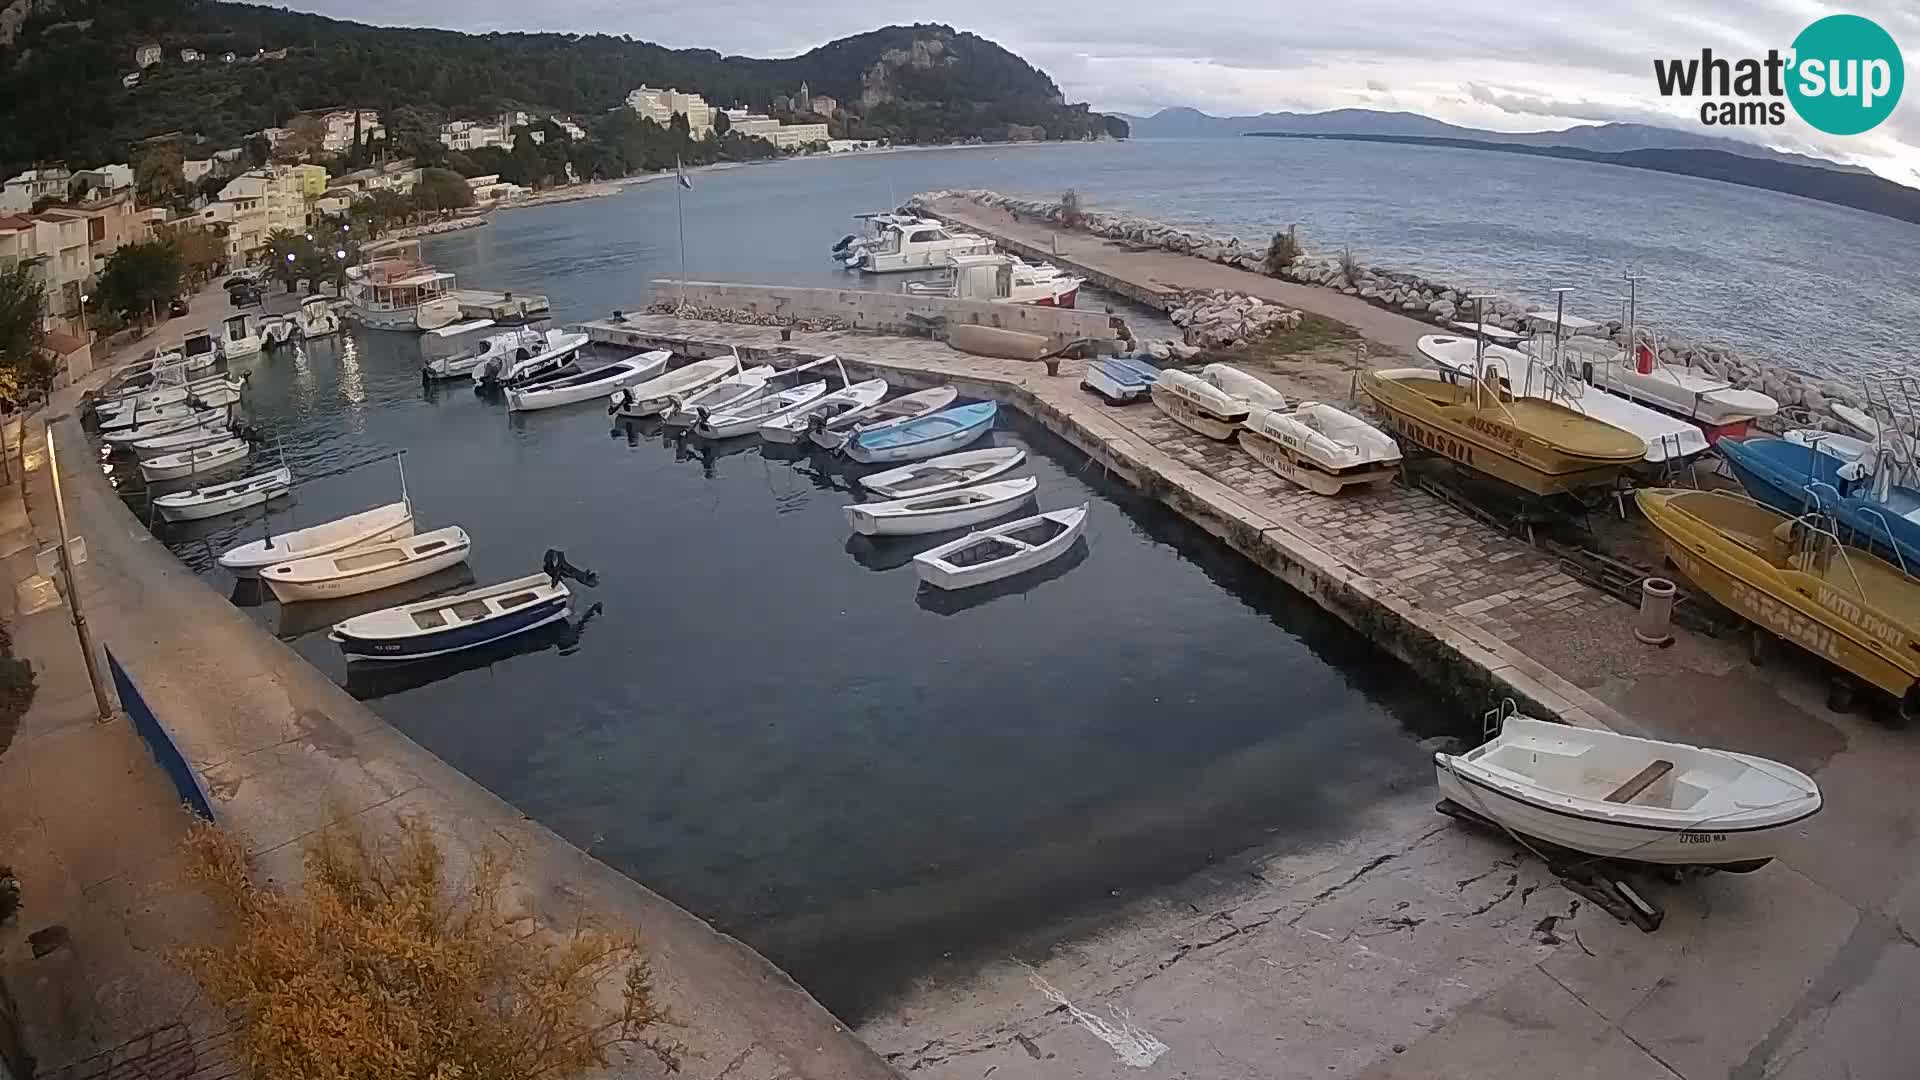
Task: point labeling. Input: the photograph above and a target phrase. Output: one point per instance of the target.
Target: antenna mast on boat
(1479, 344)
(400, 460)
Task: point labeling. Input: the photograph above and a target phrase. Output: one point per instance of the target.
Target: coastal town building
(195, 170)
(191, 56)
(54, 245)
(574, 131)
(475, 135)
(147, 55)
(22, 191)
(340, 128)
(823, 106)
(660, 105)
(254, 204)
(107, 179)
(113, 221)
(784, 136)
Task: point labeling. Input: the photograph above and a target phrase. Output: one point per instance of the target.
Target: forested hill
(61, 64)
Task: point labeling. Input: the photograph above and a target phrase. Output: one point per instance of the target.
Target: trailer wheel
(1906, 710)
(1759, 647)
(1841, 691)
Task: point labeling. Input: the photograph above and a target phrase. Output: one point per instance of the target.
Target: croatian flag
(681, 172)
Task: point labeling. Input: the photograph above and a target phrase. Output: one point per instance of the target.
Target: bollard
(1656, 612)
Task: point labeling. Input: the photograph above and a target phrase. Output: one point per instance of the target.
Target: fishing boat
(1120, 379)
(185, 463)
(736, 390)
(503, 346)
(1792, 577)
(402, 293)
(192, 419)
(1869, 508)
(367, 568)
(452, 623)
(1320, 447)
(1001, 551)
(898, 242)
(961, 508)
(1536, 445)
(585, 385)
(557, 351)
(834, 433)
(944, 473)
(217, 499)
(1666, 438)
(1622, 797)
(239, 337)
(316, 319)
(747, 417)
(657, 394)
(793, 426)
(381, 523)
(929, 436)
(1199, 404)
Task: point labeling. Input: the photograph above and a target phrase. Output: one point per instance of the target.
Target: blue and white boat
(453, 623)
(1794, 478)
(929, 436)
(1120, 379)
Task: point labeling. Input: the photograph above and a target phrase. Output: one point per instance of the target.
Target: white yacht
(1002, 279)
(900, 242)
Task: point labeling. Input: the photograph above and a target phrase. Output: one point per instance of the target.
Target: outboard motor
(844, 241)
(621, 399)
(556, 567)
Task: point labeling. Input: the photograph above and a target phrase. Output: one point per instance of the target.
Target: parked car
(178, 307)
(245, 276)
(246, 295)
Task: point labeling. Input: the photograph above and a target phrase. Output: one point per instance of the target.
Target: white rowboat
(945, 473)
(206, 390)
(218, 499)
(211, 419)
(192, 438)
(657, 394)
(129, 419)
(929, 436)
(885, 414)
(792, 427)
(743, 387)
(368, 568)
(453, 623)
(957, 509)
(373, 526)
(187, 463)
(996, 553)
(569, 389)
(746, 418)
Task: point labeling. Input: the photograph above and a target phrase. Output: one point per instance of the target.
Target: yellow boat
(1792, 577)
(1532, 443)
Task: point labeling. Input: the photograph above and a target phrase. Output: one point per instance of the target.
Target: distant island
(1852, 189)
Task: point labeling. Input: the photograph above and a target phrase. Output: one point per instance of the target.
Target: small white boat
(793, 426)
(1120, 379)
(1251, 389)
(210, 393)
(741, 388)
(585, 385)
(1199, 404)
(1686, 392)
(746, 418)
(957, 509)
(380, 524)
(218, 499)
(317, 318)
(558, 350)
(453, 623)
(192, 438)
(502, 347)
(129, 419)
(275, 331)
(367, 568)
(192, 419)
(1860, 421)
(239, 338)
(1320, 447)
(992, 554)
(928, 436)
(185, 463)
(834, 434)
(1833, 444)
(1618, 796)
(945, 473)
(657, 394)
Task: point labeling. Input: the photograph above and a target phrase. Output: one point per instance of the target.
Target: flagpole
(679, 209)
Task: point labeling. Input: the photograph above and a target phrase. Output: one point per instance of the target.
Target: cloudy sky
(1518, 65)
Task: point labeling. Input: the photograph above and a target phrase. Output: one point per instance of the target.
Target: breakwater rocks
(434, 228)
(1805, 400)
(743, 318)
(1211, 319)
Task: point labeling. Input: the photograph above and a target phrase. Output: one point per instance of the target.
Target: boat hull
(454, 638)
(200, 511)
(941, 575)
(1303, 470)
(1193, 417)
(380, 524)
(933, 477)
(869, 520)
(332, 588)
(168, 467)
(927, 448)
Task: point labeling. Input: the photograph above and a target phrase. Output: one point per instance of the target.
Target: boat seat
(1640, 781)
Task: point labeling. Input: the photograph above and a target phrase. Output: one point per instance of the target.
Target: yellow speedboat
(1792, 577)
(1532, 443)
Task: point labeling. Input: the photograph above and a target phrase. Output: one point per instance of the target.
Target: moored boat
(792, 426)
(556, 351)
(928, 436)
(192, 438)
(944, 473)
(210, 393)
(657, 394)
(400, 292)
(182, 464)
(501, 346)
(1621, 797)
(833, 434)
(957, 509)
(897, 242)
(216, 499)
(568, 389)
(367, 568)
(1001, 551)
(193, 419)
(239, 337)
(450, 624)
(316, 318)
(1119, 379)
(381, 523)
(1319, 447)
(746, 417)
(735, 390)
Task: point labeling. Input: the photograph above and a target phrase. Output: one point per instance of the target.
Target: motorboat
(1623, 797)
(899, 242)
(1868, 508)
(380, 524)
(144, 374)
(316, 318)
(1637, 373)
(1120, 379)
(199, 350)
(1001, 551)
(1536, 445)
(1319, 447)
(463, 621)
(738, 389)
(855, 399)
(402, 293)
(211, 393)
(1198, 404)
(367, 568)
(217, 499)
(834, 434)
(944, 473)
(1844, 448)
(185, 463)
(929, 436)
(192, 420)
(502, 346)
(192, 438)
(957, 509)
(747, 417)
(657, 394)
(239, 337)
(276, 330)
(557, 351)
(1002, 279)
(1667, 438)
(586, 385)
(1792, 576)
(1860, 420)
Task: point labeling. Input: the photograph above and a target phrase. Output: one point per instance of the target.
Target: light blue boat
(1120, 379)
(929, 436)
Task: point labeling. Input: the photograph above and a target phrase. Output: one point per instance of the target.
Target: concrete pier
(502, 306)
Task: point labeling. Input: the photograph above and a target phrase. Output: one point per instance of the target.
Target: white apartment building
(339, 136)
(22, 191)
(784, 136)
(475, 134)
(56, 247)
(660, 105)
(253, 205)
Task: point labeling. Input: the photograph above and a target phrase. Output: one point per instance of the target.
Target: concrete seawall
(887, 312)
(284, 752)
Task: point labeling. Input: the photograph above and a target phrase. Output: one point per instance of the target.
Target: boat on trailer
(569, 389)
(1120, 379)
(217, 499)
(944, 473)
(943, 510)
(834, 433)
(1319, 447)
(368, 568)
(928, 436)
(450, 624)
(993, 554)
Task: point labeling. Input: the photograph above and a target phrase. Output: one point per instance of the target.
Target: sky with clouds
(1516, 65)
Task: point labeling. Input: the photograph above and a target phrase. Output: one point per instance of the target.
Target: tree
(381, 209)
(157, 175)
(259, 149)
(722, 123)
(23, 332)
(441, 189)
(209, 186)
(202, 248)
(290, 256)
(382, 968)
(140, 276)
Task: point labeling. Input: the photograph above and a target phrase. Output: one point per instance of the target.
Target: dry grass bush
(380, 969)
(1072, 213)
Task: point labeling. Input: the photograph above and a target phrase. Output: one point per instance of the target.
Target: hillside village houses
(660, 106)
(340, 128)
(20, 192)
(498, 131)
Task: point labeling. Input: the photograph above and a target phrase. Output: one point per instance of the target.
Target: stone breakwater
(1213, 319)
(743, 318)
(434, 228)
(1805, 400)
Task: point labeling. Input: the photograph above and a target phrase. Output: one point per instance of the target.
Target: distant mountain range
(1183, 123)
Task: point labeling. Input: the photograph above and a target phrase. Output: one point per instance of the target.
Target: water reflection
(369, 681)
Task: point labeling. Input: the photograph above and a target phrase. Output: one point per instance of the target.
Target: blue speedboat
(1794, 478)
(941, 433)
